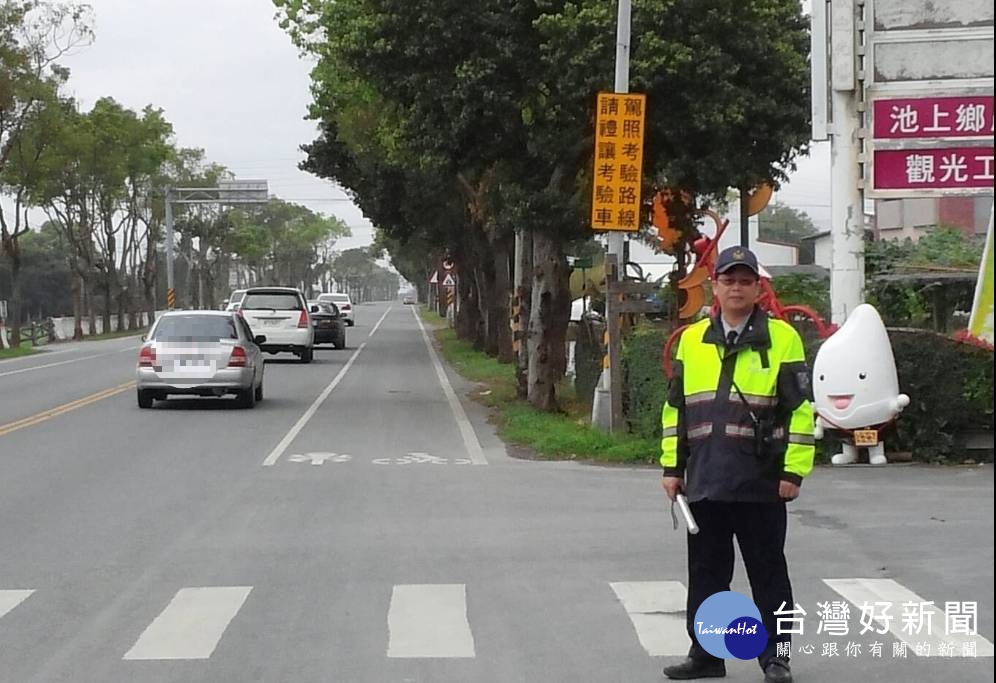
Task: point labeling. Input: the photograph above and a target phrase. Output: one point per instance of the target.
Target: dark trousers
(760, 532)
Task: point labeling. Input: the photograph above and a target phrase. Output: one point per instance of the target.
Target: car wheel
(259, 392)
(308, 355)
(145, 399)
(247, 398)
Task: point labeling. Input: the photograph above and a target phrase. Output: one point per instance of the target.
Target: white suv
(344, 304)
(281, 315)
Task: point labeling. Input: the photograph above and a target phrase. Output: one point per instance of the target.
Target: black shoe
(777, 671)
(695, 668)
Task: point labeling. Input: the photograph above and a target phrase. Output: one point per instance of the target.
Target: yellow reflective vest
(737, 446)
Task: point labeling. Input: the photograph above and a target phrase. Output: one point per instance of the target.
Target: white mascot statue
(855, 386)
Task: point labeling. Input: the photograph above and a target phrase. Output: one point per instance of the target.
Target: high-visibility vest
(709, 434)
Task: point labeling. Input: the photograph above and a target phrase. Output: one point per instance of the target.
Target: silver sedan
(200, 353)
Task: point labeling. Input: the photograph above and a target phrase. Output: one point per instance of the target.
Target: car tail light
(346, 307)
(303, 320)
(238, 359)
(146, 357)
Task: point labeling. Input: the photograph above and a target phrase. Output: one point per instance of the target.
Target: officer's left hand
(787, 490)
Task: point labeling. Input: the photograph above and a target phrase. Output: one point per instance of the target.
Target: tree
(781, 223)
(493, 102)
(33, 35)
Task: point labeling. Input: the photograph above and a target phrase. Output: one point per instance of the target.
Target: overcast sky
(230, 82)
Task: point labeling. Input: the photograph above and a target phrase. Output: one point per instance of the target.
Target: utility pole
(607, 408)
(847, 272)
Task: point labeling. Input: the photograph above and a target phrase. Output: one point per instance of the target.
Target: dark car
(327, 322)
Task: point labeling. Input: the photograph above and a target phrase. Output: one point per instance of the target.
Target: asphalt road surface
(364, 523)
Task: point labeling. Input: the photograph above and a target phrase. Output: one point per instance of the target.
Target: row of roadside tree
(99, 178)
(464, 130)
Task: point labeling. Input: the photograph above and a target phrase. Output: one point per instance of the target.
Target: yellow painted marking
(63, 409)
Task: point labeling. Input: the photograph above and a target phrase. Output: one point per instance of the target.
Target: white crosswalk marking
(870, 591)
(429, 620)
(191, 625)
(9, 599)
(657, 610)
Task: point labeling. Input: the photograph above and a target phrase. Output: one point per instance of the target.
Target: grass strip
(565, 435)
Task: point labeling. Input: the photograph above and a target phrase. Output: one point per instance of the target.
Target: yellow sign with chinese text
(618, 172)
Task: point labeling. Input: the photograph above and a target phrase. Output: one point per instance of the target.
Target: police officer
(738, 441)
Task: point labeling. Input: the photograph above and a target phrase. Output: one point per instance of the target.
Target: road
(364, 523)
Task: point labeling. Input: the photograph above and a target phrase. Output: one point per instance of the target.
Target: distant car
(343, 302)
(409, 299)
(200, 353)
(328, 324)
(281, 314)
(234, 301)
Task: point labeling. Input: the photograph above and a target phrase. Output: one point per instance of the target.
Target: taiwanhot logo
(728, 625)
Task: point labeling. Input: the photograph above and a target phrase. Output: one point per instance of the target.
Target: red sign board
(931, 169)
(933, 117)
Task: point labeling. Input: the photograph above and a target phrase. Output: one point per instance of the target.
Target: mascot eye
(862, 375)
(822, 377)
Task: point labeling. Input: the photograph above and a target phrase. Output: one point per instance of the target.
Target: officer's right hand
(673, 486)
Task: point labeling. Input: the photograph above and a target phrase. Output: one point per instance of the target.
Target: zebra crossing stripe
(657, 610)
(870, 591)
(429, 621)
(9, 599)
(191, 625)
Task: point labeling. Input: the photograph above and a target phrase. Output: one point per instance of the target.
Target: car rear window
(195, 328)
(338, 298)
(275, 301)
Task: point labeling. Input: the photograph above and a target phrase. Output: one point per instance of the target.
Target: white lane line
(379, 322)
(191, 625)
(657, 610)
(9, 599)
(870, 591)
(62, 362)
(470, 441)
(275, 454)
(429, 620)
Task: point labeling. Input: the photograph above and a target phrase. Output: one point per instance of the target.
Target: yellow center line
(64, 408)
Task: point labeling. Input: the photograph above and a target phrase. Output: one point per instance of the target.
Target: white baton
(686, 512)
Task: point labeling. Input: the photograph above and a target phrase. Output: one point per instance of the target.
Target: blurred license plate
(270, 322)
(192, 365)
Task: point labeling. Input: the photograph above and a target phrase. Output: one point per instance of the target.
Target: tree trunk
(14, 306)
(468, 316)
(523, 287)
(549, 315)
(77, 294)
(498, 326)
(108, 302)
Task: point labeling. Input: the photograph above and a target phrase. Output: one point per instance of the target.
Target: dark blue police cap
(736, 256)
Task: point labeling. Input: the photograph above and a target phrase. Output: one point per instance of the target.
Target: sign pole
(847, 271)
(609, 394)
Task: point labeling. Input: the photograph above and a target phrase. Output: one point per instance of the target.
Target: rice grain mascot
(856, 388)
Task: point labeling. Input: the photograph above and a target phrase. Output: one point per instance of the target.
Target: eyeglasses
(729, 281)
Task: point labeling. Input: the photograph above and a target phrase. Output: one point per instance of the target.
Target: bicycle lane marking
(281, 447)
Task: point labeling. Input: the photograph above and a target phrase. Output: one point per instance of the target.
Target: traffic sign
(435, 278)
(448, 281)
(618, 168)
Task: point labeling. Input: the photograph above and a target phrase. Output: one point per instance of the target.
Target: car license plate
(865, 437)
(271, 322)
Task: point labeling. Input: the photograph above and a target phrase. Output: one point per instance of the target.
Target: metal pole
(170, 292)
(616, 239)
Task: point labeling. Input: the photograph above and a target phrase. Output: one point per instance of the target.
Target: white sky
(230, 82)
